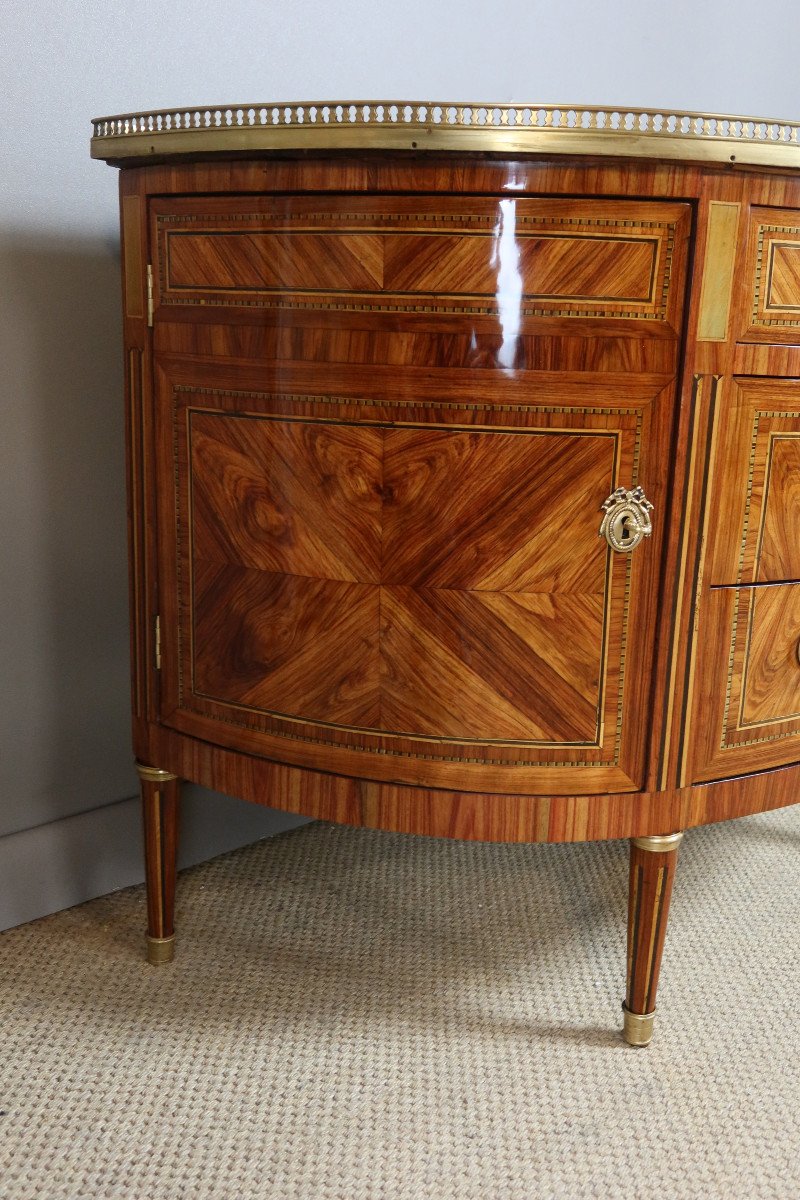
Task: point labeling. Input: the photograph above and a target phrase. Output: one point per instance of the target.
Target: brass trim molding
(154, 774)
(160, 950)
(658, 843)
(410, 125)
(637, 1028)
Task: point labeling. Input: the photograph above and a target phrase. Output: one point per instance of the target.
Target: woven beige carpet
(357, 1014)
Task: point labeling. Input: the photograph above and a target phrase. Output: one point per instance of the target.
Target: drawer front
(513, 260)
(756, 514)
(747, 705)
(770, 291)
(414, 591)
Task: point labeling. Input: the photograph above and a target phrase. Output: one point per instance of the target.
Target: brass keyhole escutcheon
(627, 519)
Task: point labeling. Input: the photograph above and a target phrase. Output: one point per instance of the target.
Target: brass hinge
(150, 304)
(158, 643)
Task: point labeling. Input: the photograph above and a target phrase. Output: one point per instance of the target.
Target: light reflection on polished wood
(434, 255)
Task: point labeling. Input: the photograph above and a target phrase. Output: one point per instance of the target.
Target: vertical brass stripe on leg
(162, 883)
(657, 909)
(635, 908)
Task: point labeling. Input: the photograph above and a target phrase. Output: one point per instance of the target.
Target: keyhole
(624, 531)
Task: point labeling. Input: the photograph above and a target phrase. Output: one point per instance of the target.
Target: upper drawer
(755, 511)
(769, 298)
(509, 260)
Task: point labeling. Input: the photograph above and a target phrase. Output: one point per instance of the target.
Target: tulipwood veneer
(462, 486)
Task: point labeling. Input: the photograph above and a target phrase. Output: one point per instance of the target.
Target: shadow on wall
(65, 699)
(64, 717)
(65, 744)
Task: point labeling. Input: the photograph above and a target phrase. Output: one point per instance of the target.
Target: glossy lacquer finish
(376, 406)
(391, 567)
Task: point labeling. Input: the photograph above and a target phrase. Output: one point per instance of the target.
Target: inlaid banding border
(762, 284)
(660, 235)
(374, 740)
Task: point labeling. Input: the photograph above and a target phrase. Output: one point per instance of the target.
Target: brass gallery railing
(529, 128)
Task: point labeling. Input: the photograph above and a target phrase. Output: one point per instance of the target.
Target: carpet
(354, 1014)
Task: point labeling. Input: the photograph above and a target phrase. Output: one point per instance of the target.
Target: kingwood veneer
(464, 462)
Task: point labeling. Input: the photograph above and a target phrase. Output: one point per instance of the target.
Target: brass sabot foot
(160, 950)
(637, 1028)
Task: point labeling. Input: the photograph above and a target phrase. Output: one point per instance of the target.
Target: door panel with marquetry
(426, 600)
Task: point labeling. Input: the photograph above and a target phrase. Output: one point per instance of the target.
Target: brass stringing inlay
(241, 720)
(531, 127)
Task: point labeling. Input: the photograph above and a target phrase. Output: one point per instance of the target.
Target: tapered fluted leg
(160, 792)
(652, 870)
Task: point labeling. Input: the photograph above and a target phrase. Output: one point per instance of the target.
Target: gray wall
(68, 825)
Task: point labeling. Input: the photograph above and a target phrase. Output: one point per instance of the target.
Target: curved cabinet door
(425, 600)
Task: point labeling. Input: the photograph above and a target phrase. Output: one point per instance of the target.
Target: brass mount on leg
(637, 1028)
(658, 843)
(154, 774)
(160, 950)
(651, 885)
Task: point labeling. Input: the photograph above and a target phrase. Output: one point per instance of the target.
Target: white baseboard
(65, 862)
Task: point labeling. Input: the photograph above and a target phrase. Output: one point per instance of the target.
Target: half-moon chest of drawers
(464, 476)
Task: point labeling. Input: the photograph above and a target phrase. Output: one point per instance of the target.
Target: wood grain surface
(770, 308)
(465, 622)
(505, 257)
(757, 501)
(367, 433)
(652, 874)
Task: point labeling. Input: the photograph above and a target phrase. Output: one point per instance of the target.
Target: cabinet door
(379, 519)
(425, 600)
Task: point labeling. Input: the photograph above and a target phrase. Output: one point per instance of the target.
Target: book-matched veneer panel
(298, 498)
(767, 658)
(508, 259)
(747, 694)
(753, 536)
(398, 584)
